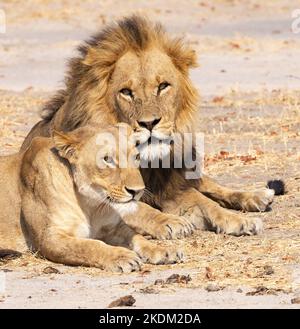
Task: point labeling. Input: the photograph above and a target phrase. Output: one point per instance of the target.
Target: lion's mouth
(154, 149)
(120, 201)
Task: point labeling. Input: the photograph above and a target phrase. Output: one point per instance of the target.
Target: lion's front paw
(156, 255)
(258, 200)
(238, 225)
(171, 227)
(123, 260)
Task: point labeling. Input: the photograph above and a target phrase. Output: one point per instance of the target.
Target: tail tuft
(277, 185)
(7, 254)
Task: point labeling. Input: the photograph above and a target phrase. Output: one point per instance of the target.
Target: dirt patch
(270, 260)
(250, 117)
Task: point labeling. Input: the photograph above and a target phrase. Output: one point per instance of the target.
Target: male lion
(134, 72)
(66, 197)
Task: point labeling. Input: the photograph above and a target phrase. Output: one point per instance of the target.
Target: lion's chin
(125, 208)
(154, 151)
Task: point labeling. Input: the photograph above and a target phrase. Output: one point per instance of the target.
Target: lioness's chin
(125, 208)
(154, 151)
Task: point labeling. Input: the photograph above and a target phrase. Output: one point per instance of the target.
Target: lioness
(134, 72)
(65, 197)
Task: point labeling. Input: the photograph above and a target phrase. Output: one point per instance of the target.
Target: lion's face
(144, 90)
(131, 72)
(103, 171)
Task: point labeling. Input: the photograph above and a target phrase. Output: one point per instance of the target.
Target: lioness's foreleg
(60, 247)
(160, 225)
(257, 200)
(207, 214)
(123, 235)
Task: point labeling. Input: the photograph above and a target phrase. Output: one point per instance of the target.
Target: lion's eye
(126, 92)
(138, 157)
(163, 86)
(108, 159)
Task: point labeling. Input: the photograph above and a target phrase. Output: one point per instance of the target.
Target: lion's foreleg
(62, 248)
(159, 225)
(123, 235)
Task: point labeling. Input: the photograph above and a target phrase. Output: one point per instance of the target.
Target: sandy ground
(250, 114)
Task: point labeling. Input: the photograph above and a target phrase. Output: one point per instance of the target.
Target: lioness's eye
(108, 159)
(137, 159)
(163, 86)
(126, 92)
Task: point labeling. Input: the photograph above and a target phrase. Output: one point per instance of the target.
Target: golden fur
(134, 72)
(57, 200)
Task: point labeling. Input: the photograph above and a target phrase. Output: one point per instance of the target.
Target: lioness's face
(104, 170)
(145, 93)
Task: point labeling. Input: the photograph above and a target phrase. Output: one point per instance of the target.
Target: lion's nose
(134, 191)
(149, 124)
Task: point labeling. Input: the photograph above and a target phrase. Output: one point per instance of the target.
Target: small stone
(159, 282)
(123, 301)
(295, 300)
(268, 270)
(213, 288)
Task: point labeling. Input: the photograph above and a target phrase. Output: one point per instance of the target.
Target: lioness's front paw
(258, 200)
(156, 255)
(237, 225)
(171, 227)
(123, 260)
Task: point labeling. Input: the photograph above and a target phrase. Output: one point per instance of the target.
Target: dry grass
(271, 124)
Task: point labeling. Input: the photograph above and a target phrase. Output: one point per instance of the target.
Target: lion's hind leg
(205, 213)
(257, 200)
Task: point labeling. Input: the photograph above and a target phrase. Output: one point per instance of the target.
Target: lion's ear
(91, 57)
(183, 57)
(189, 58)
(66, 144)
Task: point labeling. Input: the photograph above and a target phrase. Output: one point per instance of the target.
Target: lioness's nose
(149, 124)
(134, 191)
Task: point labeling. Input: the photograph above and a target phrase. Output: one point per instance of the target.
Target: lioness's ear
(66, 144)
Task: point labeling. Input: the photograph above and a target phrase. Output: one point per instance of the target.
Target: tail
(7, 254)
(277, 185)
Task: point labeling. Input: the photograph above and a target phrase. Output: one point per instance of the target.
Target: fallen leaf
(51, 270)
(263, 291)
(208, 274)
(234, 45)
(148, 290)
(176, 278)
(218, 99)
